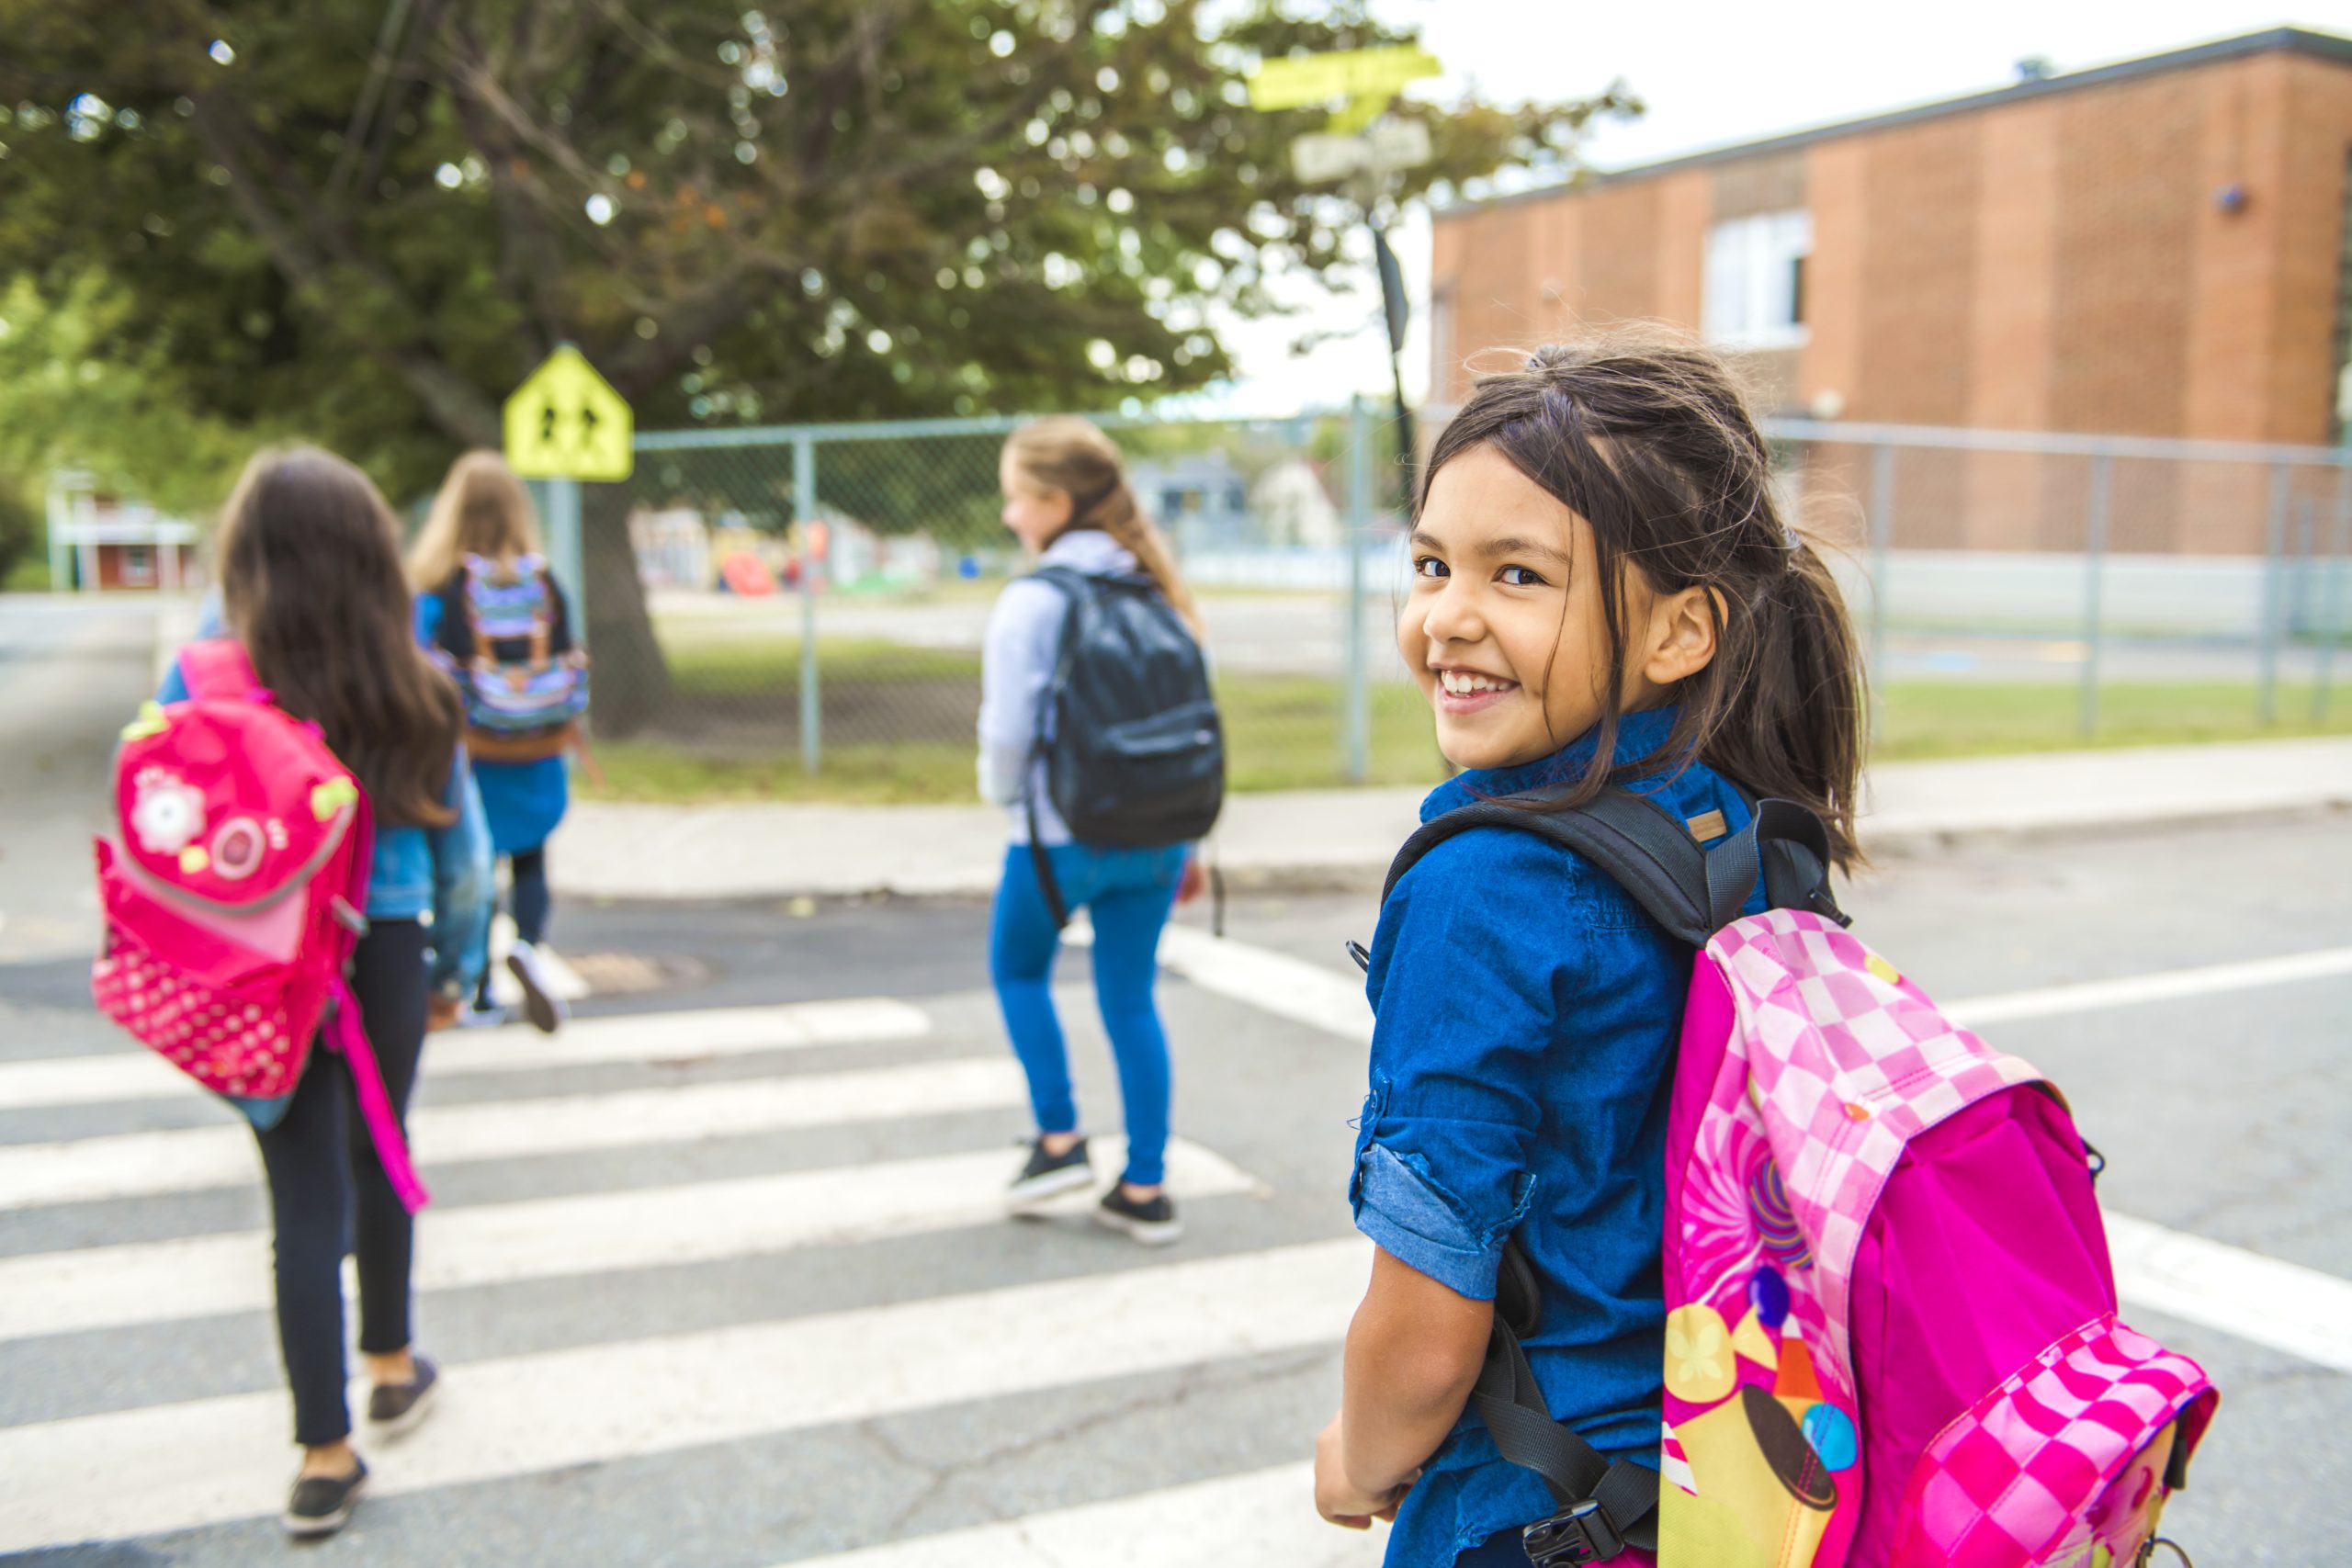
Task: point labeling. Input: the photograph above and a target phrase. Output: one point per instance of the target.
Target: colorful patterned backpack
(503, 633)
(232, 885)
(1891, 1336)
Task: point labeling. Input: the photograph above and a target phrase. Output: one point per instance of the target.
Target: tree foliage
(369, 218)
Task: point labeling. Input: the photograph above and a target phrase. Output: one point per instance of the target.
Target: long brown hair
(1645, 436)
(311, 583)
(482, 509)
(1070, 455)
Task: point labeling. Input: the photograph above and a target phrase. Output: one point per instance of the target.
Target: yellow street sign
(1296, 81)
(565, 422)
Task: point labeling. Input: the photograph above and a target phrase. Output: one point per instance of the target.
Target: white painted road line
(1313, 994)
(656, 1038)
(1326, 997)
(212, 1461)
(2284, 1305)
(108, 1287)
(1265, 1518)
(2131, 990)
(140, 1163)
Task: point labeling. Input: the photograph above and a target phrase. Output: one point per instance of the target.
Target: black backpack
(1134, 750)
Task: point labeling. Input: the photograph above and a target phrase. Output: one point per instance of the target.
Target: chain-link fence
(2033, 589)
(814, 598)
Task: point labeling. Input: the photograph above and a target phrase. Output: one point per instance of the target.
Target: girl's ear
(1059, 508)
(1682, 635)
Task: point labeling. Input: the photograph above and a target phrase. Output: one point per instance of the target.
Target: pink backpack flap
(232, 882)
(1892, 1334)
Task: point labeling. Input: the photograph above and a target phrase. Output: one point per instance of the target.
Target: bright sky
(1756, 70)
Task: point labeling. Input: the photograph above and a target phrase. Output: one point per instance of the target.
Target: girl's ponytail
(1071, 455)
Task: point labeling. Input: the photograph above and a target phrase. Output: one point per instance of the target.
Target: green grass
(1283, 732)
(30, 575)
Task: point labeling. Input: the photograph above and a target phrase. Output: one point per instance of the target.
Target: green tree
(369, 218)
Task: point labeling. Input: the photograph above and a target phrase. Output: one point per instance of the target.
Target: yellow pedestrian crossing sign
(565, 422)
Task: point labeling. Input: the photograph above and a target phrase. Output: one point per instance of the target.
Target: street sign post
(563, 424)
(1298, 80)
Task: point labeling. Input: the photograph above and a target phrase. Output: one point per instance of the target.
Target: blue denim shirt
(1526, 1017)
(445, 872)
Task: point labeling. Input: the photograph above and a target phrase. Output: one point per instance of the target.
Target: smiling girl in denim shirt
(1604, 592)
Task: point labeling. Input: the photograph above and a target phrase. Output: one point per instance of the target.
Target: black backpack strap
(1691, 891)
(1074, 586)
(1604, 1503)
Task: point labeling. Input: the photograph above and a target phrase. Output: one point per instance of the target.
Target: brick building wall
(2051, 257)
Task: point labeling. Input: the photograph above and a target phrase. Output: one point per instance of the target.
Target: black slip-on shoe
(1048, 1176)
(395, 1410)
(321, 1505)
(1152, 1222)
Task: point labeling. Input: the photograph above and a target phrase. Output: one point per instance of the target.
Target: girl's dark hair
(1645, 436)
(311, 583)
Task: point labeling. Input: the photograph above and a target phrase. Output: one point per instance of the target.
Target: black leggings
(529, 900)
(328, 1193)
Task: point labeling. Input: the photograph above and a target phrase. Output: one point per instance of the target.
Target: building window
(138, 566)
(1756, 293)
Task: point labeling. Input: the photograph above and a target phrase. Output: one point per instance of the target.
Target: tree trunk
(631, 688)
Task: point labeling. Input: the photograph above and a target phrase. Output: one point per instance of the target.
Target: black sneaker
(1152, 1222)
(321, 1505)
(1049, 1176)
(395, 1410)
(545, 1011)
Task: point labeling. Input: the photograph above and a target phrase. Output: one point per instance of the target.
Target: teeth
(1462, 682)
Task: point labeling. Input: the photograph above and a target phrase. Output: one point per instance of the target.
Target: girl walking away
(1605, 593)
(487, 602)
(312, 589)
(1099, 738)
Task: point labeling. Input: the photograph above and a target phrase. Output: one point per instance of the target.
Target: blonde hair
(483, 510)
(1068, 454)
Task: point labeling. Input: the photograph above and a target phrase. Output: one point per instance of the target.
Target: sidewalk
(1344, 838)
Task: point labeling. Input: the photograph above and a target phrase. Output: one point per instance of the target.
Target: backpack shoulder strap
(220, 667)
(1689, 891)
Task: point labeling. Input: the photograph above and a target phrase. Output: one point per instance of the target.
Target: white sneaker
(540, 1004)
(473, 1017)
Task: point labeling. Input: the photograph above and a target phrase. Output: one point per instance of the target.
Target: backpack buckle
(1577, 1535)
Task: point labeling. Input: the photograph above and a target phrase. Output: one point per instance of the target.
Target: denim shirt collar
(1638, 735)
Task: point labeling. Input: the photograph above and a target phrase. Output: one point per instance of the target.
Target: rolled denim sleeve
(1465, 979)
(1017, 666)
(461, 889)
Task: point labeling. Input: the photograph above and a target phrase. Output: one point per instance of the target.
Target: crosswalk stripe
(140, 1163)
(2172, 985)
(2265, 1300)
(212, 1461)
(1255, 1520)
(661, 1037)
(109, 1286)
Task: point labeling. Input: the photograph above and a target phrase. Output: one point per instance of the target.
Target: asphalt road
(862, 1334)
(72, 672)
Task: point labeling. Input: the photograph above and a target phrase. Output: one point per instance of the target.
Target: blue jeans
(1129, 893)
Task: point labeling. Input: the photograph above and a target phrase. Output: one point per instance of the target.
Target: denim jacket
(443, 872)
(1526, 1014)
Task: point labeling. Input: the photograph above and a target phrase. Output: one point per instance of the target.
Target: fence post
(804, 512)
(2330, 598)
(1882, 562)
(2273, 593)
(1357, 721)
(2094, 570)
(563, 549)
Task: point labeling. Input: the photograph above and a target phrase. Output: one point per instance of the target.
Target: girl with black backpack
(1099, 737)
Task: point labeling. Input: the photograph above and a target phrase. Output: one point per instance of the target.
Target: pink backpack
(1891, 1334)
(233, 883)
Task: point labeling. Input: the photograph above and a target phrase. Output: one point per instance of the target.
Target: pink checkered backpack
(1891, 1336)
(232, 882)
